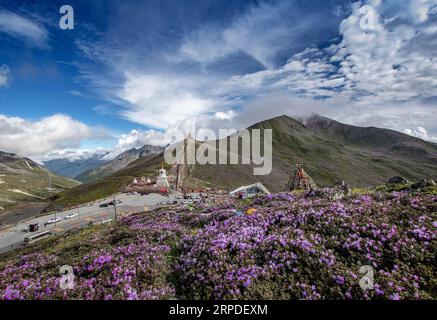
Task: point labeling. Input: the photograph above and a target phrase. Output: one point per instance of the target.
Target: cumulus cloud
(38, 138)
(73, 154)
(22, 28)
(422, 133)
(385, 64)
(4, 75)
(160, 101)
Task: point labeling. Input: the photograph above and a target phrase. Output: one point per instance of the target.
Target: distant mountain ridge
(366, 136)
(73, 168)
(23, 180)
(118, 163)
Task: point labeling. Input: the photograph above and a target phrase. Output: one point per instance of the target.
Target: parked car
(110, 203)
(71, 216)
(53, 220)
(163, 202)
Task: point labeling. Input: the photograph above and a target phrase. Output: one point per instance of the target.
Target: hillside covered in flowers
(281, 246)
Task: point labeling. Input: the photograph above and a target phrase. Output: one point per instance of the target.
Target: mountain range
(328, 150)
(118, 163)
(97, 167)
(73, 168)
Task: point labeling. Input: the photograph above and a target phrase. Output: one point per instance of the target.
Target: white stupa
(162, 181)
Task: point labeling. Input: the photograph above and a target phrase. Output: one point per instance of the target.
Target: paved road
(13, 237)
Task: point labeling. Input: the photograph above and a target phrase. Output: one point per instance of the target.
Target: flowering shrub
(288, 247)
(312, 248)
(128, 262)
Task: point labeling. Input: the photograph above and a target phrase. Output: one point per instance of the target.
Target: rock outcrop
(397, 180)
(423, 183)
(300, 180)
(341, 190)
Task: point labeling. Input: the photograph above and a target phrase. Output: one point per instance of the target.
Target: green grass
(89, 192)
(430, 190)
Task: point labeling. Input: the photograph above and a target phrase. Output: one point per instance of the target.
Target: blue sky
(132, 72)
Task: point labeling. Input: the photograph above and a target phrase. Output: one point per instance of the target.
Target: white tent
(250, 190)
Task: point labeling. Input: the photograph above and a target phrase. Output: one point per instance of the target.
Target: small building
(249, 191)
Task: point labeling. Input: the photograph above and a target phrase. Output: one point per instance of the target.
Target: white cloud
(422, 133)
(76, 93)
(385, 65)
(161, 101)
(38, 138)
(308, 74)
(225, 115)
(24, 29)
(137, 139)
(73, 154)
(389, 63)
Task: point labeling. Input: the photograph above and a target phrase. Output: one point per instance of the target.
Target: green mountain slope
(23, 180)
(329, 153)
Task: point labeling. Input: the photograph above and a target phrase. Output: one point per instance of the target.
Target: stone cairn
(300, 180)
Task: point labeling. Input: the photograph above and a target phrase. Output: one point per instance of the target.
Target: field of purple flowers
(279, 246)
